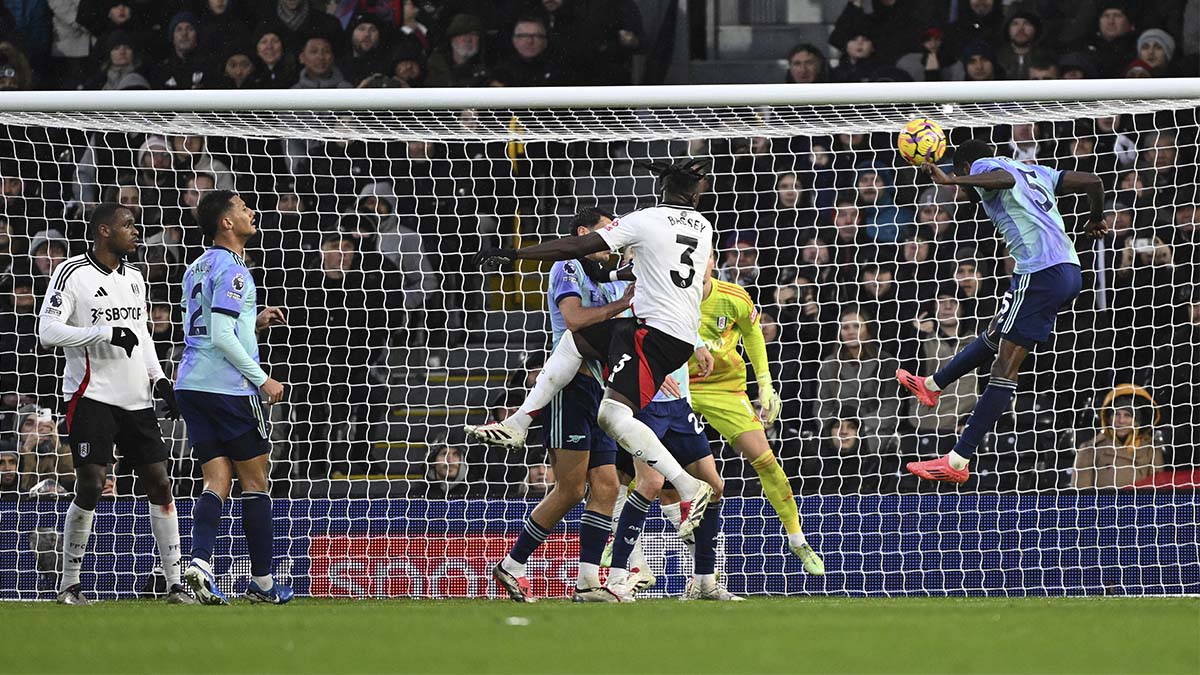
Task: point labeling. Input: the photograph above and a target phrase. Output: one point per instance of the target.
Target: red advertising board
(434, 566)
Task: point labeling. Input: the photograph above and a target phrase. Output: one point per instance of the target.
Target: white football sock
(622, 495)
(202, 564)
(957, 461)
(931, 385)
(164, 525)
(512, 566)
(796, 540)
(589, 576)
(706, 580)
(77, 529)
(672, 513)
(557, 372)
(265, 583)
(617, 420)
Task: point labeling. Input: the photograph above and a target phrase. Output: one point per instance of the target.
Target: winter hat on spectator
(1030, 16)
(365, 17)
(152, 142)
(1160, 36)
(45, 237)
(408, 49)
(1080, 61)
(462, 24)
(1120, 5)
(1136, 67)
(181, 17)
(741, 237)
(978, 48)
(117, 38)
(933, 33)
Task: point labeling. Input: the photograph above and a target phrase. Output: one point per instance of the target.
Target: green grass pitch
(902, 635)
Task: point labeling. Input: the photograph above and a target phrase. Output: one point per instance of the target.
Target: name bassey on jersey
(84, 293)
(671, 245)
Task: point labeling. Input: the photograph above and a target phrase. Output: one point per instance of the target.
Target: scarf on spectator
(292, 18)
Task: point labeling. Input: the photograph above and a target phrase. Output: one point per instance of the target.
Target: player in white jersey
(672, 243)
(95, 309)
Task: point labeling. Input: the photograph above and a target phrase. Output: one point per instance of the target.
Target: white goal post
(371, 202)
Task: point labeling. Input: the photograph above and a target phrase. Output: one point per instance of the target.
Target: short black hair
(212, 208)
(589, 217)
(972, 150)
(104, 214)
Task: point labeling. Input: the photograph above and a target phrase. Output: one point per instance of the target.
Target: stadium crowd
(858, 264)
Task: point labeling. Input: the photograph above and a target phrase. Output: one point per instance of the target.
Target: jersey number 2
(194, 325)
(686, 258)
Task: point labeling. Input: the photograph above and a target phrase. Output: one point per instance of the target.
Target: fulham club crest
(721, 322)
(84, 449)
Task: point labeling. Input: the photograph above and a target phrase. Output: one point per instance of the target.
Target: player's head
(589, 220)
(224, 216)
(112, 228)
(967, 153)
(681, 182)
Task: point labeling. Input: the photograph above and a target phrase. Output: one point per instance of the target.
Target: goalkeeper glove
(124, 338)
(492, 259)
(166, 391)
(770, 404)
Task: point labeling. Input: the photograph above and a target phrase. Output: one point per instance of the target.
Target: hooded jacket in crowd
(1118, 458)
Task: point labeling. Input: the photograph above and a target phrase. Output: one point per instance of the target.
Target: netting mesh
(858, 264)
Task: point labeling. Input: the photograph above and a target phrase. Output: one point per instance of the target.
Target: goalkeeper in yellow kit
(727, 317)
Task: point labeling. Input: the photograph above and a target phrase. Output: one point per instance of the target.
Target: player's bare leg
(206, 518)
(257, 524)
(164, 525)
(753, 446)
(996, 397)
(558, 371)
(89, 484)
(593, 533)
(617, 420)
(570, 486)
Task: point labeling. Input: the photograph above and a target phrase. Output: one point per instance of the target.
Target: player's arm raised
(566, 248)
(579, 317)
(1079, 181)
(996, 179)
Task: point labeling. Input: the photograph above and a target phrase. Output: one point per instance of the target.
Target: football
(920, 141)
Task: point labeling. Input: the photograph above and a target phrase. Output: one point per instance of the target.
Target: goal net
(369, 207)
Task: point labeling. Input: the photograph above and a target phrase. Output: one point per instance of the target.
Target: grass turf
(915, 635)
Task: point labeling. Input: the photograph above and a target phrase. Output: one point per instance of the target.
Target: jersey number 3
(686, 258)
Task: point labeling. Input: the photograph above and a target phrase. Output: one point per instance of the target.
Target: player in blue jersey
(218, 388)
(581, 453)
(1021, 201)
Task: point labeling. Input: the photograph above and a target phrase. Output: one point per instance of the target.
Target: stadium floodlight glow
(389, 349)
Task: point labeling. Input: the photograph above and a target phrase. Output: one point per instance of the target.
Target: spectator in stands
(43, 454)
(237, 68)
(184, 66)
(612, 33)
(277, 68)
(851, 246)
(221, 25)
(447, 474)
(933, 60)
(841, 461)
(167, 331)
(979, 21)
(411, 26)
(739, 262)
(1023, 33)
(1114, 44)
(1137, 68)
(319, 71)
(130, 196)
(300, 20)
(408, 63)
(32, 375)
(976, 304)
(855, 380)
(941, 334)
(979, 63)
(539, 480)
(15, 72)
(1126, 450)
(10, 479)
(892, 24)
(859, 61)
(400, 245)
(806, 65)
(190, 154)
(1156, 48)
(530, 64)
(1043, 67)
(1177, 364)
(813, 262)
(102, 17)
(883, 221)
(459, 63)
(47, 250)
(877, 290)
(918, 272)
(155, 176)
(119, 64)
(368, 52)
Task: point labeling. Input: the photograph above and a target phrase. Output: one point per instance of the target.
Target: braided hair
(682, 178)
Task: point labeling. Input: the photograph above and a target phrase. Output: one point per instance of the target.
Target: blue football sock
(992, 403)
(594, 529)
(260, 539)
(629, 528)
(979, 353)
(531, 537)
(206, 516)
(706, 540)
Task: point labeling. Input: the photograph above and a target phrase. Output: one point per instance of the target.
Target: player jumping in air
(580, 452)
(672, 243)
(1020, 199)
(218, 388)
(95, 309)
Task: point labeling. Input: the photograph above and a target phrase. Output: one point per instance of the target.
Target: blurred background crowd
(858, 264)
